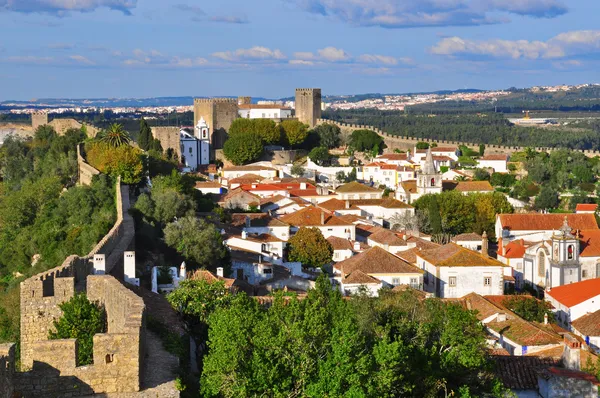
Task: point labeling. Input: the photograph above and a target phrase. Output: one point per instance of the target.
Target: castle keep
(218, 113)
(308, 105)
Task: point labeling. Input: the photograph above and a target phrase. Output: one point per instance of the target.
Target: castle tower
(429, 180)
(218, 113)
(308, 105)
(38, 119)
(565, 266)
(244, 100)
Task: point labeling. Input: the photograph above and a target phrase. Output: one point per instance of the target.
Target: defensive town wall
(405, 142)
(86, 171)
(168, 137)
(118, 353)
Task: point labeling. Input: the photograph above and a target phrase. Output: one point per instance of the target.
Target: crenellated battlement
(213, 100)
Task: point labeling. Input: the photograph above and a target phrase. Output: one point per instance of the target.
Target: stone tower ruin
(244, 100)
(218, 113)
(308, 105)
(38, 119)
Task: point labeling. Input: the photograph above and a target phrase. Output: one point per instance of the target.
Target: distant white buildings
(264, 111)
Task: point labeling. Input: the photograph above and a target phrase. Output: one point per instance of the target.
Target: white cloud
(333, 54)
(81, 59)
(157, 59)
(30, 59)
(561, 46)
(378, 59)
(250, 54)
(415, 13)
(301, 62)
(62, 7)
(233, 19)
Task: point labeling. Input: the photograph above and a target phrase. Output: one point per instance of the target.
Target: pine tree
(145, 137)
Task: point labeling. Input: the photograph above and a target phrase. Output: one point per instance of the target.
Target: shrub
(81, 320)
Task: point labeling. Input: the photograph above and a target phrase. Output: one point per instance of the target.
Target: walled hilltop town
(227, 232)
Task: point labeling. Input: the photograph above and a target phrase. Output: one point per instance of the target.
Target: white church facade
(195, 149)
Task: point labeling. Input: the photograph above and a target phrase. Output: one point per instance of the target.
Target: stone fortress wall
(86, 171)
(219, 113)
(39, 119)
(405, 142)
(7, 370)
(168, 137)
(118, 353)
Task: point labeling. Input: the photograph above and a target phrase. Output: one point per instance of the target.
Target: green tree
(267, 129)
(366, 141)
(481, 149)
(295, 132)
(243, 148)
(481, 175)
(145, 138)
(329, 135)
(529, 308)
(81, 320)
(435, 220)
(197, 241)
(124, 161)
(309, 247)
(115, 135)
(319, 155)
(546, 199)
(297, 170)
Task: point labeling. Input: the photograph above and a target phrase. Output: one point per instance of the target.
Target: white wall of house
(391, 280)
(499, 166)
(592, 341)
(359, 195)
(349, 289)
(253, 273)
(272, 248)
(266, 173)
(341, 255)
(590, 267)
(468, 280)
(383, 212)
(391, 249)
(566, 315)
(265, 113)
(282, 232)
(474, 245)
(207, 190)
(343, 231)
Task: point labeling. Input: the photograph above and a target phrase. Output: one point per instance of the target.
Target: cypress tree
(145, 138)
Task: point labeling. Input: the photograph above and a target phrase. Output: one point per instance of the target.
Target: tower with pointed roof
(429, 179)
(203, 135)
(565, 266)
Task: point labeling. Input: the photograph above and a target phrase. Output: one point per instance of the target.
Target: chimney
(220, 272)
(347, 204)
(247, 222)
(571, 357)
(302, 185)
(501, 317)
(322, 217)
(356, 246)
(484, 243)
(545, 318)
(244, 234)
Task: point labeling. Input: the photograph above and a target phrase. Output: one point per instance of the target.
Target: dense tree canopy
(460, 213)
(122, 161)
(243, 148)
(115, 135)
(366, 141)
(295, 132)
(320, 155)
(310, 248)
(267, 129)
(391, 346)
(329, 135)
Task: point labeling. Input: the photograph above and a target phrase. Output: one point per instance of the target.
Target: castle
(308, 105)
(118, 355)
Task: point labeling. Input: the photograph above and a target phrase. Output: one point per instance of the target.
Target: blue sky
(148, 48)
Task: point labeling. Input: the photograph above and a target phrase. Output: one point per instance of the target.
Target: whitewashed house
(328, 224)
(575, 300)
(499, 163)
(451, 271)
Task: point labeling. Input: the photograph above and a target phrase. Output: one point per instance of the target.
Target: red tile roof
(357, 187)
(588, 325)
(575, 293)
(468, 237)
(521, 373)
(207, 184)
(387, 237)
(339, 243)
(360, 278)
(494, 157)
(590, 243)
(311, 217)
(515, 249)
(571, 374)
(546, 222)
(453, 255)
(256, 220)
(586, 207)
(394, 156)
(376, 261)
(474, 186)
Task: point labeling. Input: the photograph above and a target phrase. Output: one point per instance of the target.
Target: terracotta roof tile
(393, 156)
(453, 255)
(339, 243)
(357, 187)
(474, 186)
(410, 186)
(586, 207)
(521, 373)
(387, 237)
(248, 168)
(571, 374)
(588, 325)
(245, 179)
(410, 255)
(311, 217)
(575, 293)
(469, 237)
(515, 249)
(590, 242)
(376, 261)
(546, 222)
(256, 220)
(494, 157)
(358, 277)
(207, 184)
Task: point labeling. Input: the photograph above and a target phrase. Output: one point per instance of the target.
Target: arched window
(433, 182)
(570, 252)
(541, 264)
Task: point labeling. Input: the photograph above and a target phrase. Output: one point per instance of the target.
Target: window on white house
(584, 274)
(414, 283)
(487, 281)
(452, 281)
(395, 281)
(519, 266)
